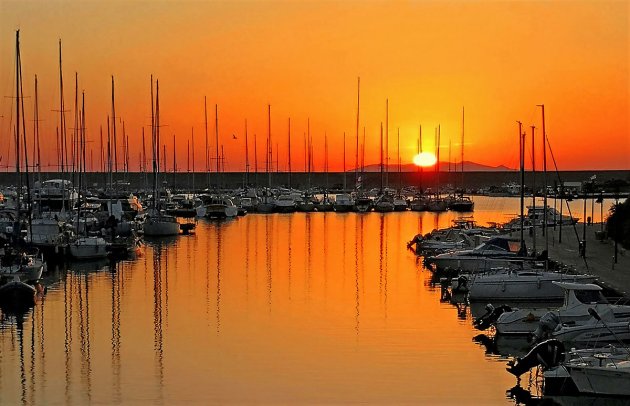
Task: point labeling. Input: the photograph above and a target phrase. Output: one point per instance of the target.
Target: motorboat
(578, 299)
(602, 327)
(496, 252)
(384, 203)
(362, 204)
(286, 203)
(160, 225)
(89, 247)
(221, 207)
(520, 285)
(600, 371)
(343, 203)
(400, 203)
(419, 203)
(461, 204)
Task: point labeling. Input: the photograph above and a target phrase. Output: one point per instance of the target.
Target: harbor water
(277, 309)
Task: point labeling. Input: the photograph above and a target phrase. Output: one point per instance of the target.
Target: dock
(599, 258)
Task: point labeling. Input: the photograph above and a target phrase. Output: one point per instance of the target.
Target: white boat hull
(609, 380)
(521, 286)
(89, 248)
(157, 228)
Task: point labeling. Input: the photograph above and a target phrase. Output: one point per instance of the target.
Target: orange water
(302, 308)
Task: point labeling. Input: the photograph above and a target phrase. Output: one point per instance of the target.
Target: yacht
(578, 298)
(343, 203)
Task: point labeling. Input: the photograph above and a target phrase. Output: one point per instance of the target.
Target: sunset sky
(430, 59)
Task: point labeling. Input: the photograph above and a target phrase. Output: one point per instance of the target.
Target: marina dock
(599, 254)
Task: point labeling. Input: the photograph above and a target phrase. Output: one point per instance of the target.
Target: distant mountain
(444, 166)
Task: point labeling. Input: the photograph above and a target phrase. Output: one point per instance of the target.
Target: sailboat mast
(269, 152)
(399, 168)
(462, 150)
(544, 146)
(246, 157)
(192, 144)
(419, 152)
(438, 159)
(533, 186)
(344, 161)
(205, 121)
(216, 138)
(154, 148)
(17, 121)
(289, 152)
(114, 129)
(386, 142)
(36, 135)
(356, 159)
(521, 149)
(175, 161)
(381, 151)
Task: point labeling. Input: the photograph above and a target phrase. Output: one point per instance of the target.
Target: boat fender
(538, 283)
(503, 287)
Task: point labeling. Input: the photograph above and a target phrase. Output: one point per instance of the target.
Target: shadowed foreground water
(320, 308)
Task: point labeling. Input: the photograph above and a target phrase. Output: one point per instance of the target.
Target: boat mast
(344, 161)
(246, 157)
(269, 151)
(18, 72)
(356, 159)
(154, 149)
(381, 151)
(255, 162)
(399, 174)
(308, 158)
(387, 142)
(437, 167)
(533, 189)
(419, 152)
(289, 153)
(192, 143)
(462, 149)
(544, 145)
(216, 136)
(114, 130)
(36, 151)
(205, 121)
(175, 160)
(521, 154)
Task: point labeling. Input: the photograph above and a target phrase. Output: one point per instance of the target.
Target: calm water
(302, 308)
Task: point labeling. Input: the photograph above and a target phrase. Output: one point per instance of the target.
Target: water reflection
(309, 307)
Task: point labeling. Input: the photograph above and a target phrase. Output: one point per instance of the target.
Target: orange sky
(430, 58)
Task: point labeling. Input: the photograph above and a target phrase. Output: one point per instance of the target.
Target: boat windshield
(590, 297)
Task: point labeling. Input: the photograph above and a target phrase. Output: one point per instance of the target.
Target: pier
(599, 258)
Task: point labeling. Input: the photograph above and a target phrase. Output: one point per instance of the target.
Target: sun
(425, 159)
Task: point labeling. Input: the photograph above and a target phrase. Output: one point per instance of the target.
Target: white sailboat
(85, 247)
(157, 224)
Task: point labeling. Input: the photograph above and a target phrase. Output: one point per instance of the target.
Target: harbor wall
(335, 180)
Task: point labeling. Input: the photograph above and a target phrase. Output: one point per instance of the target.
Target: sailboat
(400, 202)
(157, 223)
(460, 202)
(85, 246)
(437, 203)
(267, 204)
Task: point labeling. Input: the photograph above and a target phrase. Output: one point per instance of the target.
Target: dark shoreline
(334, 180)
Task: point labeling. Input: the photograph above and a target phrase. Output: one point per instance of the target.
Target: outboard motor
(491, 316)
(549, 354)
(462, 284)
(546, 325)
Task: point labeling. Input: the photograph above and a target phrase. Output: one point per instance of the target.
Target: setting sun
(425, 159)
